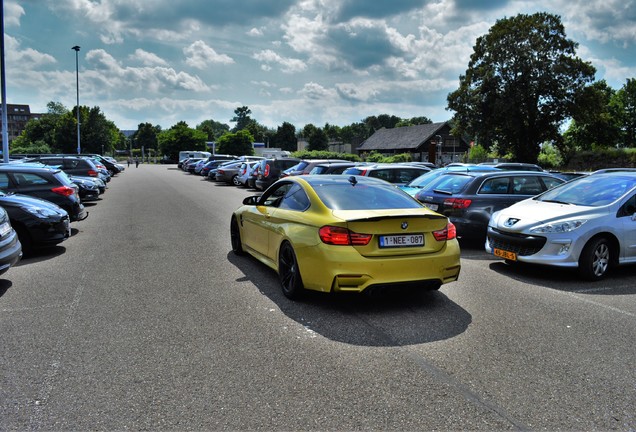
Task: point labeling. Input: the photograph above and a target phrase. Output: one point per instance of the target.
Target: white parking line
(586, 300)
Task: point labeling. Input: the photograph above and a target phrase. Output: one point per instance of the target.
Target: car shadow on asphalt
(5, 284)
(620, 280)
(39, 255)
(395, 318)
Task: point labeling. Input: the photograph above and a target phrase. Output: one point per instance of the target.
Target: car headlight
(40, 212)
(559, 227)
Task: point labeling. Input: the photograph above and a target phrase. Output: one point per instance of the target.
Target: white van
(193, 154)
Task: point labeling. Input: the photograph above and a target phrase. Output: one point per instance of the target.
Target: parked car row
(476, 201)
(41, 197)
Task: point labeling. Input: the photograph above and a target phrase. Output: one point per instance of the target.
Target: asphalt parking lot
(144, 319)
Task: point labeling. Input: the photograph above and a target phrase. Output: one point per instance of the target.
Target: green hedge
(602, 158)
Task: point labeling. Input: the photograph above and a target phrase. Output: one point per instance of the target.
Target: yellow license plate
(505, 254)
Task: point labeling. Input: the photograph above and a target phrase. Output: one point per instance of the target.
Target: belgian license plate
(405, 240)
(433, 207)
(505, 254)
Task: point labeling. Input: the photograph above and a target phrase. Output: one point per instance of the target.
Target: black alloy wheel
(235, 236)
(288, 272)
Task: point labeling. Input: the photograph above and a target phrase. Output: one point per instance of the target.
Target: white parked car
(589, 223)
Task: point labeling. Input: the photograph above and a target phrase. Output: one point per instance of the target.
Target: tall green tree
(40, 130)
(285, 137)
(318, 141)
(213, 129)
(521, 84)
(97, 132)
(414, 121)
(181, 137)
(381, 121)
(241, 118)
(146, 137)
(237, 143)
(594, 124)
(624, 105)
(258, 131)
(355, 133)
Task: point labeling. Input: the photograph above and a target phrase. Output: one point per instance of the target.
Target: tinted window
(354, 171)
(62, 178)
(4, 181)
(363, 197)
(629, 208)
(295, 199)
(301, 166)
(406, 175)
(497, 185)
(71, 163)
(383, 174)
(29, 179)
(529, 185)
(318, 169)
(274, 196)
(551, 182)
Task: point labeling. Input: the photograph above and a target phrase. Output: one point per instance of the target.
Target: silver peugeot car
(589, 223)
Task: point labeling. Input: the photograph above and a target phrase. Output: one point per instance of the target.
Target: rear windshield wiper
(440, 191)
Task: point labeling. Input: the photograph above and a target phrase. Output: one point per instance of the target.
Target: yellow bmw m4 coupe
(337, 233)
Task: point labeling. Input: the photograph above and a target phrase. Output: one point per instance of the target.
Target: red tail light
(457, 203)
(92, 173)
(343, 237)
(448, 233)
(64, 190)
(266, 172)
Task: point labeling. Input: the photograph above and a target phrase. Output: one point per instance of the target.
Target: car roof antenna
(353, 180)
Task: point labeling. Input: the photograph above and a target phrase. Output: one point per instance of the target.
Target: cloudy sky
(300, 61)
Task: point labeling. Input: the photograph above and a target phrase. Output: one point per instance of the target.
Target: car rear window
(364, 197)
(450, 183)
(355, 171)
(318, 169)
(63, 178)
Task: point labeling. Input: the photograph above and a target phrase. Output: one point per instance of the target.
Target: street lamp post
(77, 48)
(3, 84)
(440, 144)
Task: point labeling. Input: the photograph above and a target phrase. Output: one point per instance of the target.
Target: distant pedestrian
(128, 162)
(136, 162)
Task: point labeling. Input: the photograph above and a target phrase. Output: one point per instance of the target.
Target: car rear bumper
(342, 268)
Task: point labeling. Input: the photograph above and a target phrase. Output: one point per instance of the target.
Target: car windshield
(593, 191)
(364, 197)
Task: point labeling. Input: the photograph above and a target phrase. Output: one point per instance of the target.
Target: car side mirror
(251, 200)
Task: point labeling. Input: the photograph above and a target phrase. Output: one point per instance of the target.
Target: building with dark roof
(431, 142)
(17, 118)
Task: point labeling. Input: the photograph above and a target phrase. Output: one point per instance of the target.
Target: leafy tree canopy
(213, 129)
(285, 137)
(181, 137)
(237, 143)
(241, 118)
(521, 84)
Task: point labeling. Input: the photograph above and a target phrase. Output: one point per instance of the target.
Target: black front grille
(520, 244)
